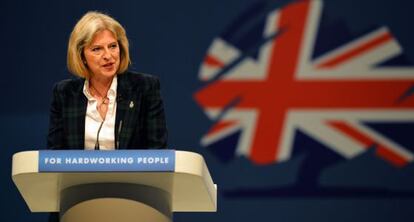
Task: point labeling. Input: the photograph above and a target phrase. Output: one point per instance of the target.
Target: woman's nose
(107, 54)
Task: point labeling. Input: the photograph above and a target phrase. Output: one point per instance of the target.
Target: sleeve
(55, 134)
(156, 132)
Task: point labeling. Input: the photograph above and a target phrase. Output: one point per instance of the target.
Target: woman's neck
(102, 85)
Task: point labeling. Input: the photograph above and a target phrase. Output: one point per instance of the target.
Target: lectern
(122, 186)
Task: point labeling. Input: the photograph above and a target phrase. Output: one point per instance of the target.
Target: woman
(108, 107)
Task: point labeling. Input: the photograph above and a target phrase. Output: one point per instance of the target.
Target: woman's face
(102, 55)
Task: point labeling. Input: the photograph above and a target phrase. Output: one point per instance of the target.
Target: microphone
(119, 99)
(97, 136)
(119, 132)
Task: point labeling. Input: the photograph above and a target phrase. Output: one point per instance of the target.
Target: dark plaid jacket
(140, 114)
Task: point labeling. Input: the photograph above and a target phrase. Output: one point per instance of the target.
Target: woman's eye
(95, 49)
(113, 46)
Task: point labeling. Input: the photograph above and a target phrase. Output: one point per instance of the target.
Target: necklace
(105, 98)
(102, 105)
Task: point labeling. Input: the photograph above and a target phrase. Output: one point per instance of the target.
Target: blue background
(169, 39)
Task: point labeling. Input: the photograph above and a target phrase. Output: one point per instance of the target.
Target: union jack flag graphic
(284, 88)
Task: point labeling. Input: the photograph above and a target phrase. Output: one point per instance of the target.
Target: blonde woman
(107, 107)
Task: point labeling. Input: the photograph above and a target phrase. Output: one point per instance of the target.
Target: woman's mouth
(108, 66)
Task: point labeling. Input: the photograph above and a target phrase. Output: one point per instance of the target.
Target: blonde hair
(82, 35)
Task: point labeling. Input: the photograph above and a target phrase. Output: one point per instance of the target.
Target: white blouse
(93, 120)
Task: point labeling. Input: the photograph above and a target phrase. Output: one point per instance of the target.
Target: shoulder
(69, 85)
(136, 80)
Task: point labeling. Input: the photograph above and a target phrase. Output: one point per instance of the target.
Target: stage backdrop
(303, 110)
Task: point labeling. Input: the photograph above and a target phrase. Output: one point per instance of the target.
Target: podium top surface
(190, 185)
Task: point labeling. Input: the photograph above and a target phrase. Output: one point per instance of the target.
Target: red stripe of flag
(356, 51)
(213, 61)
(382, 151)
(220, 126)
(350, 131)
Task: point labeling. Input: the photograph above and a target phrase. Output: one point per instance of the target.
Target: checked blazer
(139, 122)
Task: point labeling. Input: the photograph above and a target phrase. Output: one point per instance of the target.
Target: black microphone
(119, 132)
(119, 99)
(97, 136)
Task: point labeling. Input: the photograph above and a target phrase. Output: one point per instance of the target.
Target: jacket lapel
(75, 116)
(128, 106)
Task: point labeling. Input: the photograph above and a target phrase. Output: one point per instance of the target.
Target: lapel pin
(131, 104)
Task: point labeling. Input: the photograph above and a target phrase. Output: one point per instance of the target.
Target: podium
(113, 192)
